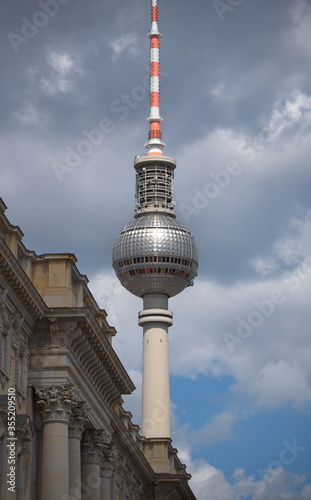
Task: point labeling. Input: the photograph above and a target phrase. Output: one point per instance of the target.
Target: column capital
(109, 460)
(56, 402)
(94, 442)
(78, 419)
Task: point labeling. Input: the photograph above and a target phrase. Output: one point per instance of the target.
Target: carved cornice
(75, 330)
(56, 402)
(173, 486)
(13, 273)
(131, 449)
(95, 336)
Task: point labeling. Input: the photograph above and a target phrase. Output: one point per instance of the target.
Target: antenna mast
(154, 144)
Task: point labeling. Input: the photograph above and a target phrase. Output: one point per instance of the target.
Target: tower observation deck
(155, 256)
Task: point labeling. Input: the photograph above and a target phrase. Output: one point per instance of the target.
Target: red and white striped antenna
(154, 144)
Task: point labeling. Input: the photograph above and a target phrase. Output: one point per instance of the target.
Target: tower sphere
(155, 254)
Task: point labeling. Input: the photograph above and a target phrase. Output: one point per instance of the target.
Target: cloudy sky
(236, 98)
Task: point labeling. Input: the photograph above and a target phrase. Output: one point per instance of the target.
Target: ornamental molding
(57, 333)
(56, 402)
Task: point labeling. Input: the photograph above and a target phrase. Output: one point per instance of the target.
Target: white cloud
(292, 249)
(295, 111)
(124, 43)
(295, 247)
(210, 483)
(280, 382)
(256, 331)
(217, 429)
(218, 90)
(59, 74)
(29, 115)
(263, 266)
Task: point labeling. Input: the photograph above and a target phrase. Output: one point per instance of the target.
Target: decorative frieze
(56, 402)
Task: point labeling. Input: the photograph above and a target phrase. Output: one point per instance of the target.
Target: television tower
(155, 256)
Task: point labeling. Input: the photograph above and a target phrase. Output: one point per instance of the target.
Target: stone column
(113, 485)
(93, 442)
(55, 404)
(76, 428)
(109, 464)
(105, 480)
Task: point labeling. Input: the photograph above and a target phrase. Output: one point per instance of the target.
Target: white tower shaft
(155, 319)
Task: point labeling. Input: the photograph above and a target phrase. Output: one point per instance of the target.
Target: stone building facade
(70, 437)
